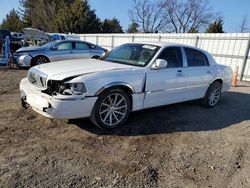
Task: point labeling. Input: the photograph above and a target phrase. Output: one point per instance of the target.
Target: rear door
(81, 50)
(198, 74)
(166, 86)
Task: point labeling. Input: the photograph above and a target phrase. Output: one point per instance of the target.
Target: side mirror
(159, 64)
(54, 47)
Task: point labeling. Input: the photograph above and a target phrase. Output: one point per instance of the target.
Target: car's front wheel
(39, 60)
(111, 109)
(213, 95)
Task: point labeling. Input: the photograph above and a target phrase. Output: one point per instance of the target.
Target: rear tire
(213, 95)
(96, 57)
(111, 109)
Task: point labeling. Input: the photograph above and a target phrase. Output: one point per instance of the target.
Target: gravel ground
(183, 145)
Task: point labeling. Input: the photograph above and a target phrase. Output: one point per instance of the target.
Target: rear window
(196, 58)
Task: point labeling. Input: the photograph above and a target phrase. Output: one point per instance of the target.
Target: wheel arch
(219, 79)
(95, 57)
(40, 55)
(123, 85)
(120, 85)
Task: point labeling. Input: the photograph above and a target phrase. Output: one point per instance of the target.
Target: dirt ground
(183, 145)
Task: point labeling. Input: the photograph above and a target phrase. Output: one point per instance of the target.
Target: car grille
(37, 78)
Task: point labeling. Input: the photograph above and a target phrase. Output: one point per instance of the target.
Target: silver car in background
(57, 51)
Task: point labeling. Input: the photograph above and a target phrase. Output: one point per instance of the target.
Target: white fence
(230, 49)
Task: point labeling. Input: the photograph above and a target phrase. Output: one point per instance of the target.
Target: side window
(81, 46)
(62, 37)
(195, 58)
(173, 56)
(65, 46)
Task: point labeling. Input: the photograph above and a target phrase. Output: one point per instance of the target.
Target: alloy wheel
(214, 95)
(113, 109)
(41, 60)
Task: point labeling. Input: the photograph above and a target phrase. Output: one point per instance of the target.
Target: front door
(63, 51)
(166, 86)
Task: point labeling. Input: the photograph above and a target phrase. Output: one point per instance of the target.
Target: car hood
(70, 68)
(30, 49)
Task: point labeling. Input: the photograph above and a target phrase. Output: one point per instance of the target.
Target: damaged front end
(64, 99)
(65, 87)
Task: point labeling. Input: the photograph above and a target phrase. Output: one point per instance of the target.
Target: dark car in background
(15, 43)
(57, 51)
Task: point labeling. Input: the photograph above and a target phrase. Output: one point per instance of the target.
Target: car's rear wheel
(39, 60)
(111, 109)
(213, 95)
(96, 57)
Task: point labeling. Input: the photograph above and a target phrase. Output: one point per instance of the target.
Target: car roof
(70, 40)
(166, 44)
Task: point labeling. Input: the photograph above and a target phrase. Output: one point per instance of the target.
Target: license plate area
(37, 102)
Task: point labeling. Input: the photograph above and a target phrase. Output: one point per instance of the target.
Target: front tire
(111, 109)
(213, 95)
(39, 60)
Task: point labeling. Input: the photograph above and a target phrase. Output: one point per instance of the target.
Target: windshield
(132, 54)
(50, 44)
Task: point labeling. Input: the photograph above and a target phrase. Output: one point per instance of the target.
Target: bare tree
(183, 16)
(243, 26)
(148, 14)
(172, 15)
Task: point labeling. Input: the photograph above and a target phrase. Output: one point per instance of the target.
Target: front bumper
(23, 60)
(52, 107)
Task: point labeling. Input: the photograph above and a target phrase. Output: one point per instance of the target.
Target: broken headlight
(72, 89)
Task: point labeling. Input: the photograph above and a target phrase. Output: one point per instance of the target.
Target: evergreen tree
(133, 28)
(40, 14)
(12, 22)
(64, 16)
(216, 27)
(111, 26)
(83, 18)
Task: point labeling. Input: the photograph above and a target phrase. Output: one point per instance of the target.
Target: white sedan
(131, 77)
